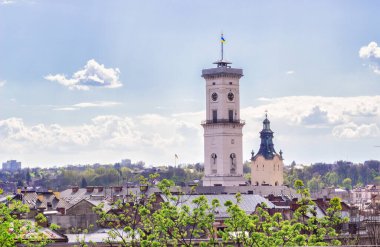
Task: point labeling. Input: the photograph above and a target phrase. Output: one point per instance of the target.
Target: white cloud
(6, 2)
(92, 75)
(66, 109)
(352, 130)
(371, 50)
(310, 120)
(2, 83)
(97, 104)
(290, 72)
(149, 134)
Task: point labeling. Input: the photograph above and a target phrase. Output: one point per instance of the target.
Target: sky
(92, 81)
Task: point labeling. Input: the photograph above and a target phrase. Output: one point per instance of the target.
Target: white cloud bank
(2, 83)
(372, 53)
(155, 138)
(92, 75)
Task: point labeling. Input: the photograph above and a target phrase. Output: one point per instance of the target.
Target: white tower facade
(223, 155)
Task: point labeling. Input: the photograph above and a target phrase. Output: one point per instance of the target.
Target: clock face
(214, 96)
(230, 96)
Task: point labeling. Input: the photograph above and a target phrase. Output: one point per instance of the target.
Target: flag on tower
(222, 39)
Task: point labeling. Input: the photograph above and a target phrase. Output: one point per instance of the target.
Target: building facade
(12, 166)
(267, 166)
(223, 144)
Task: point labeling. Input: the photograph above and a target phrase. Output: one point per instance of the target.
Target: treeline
(342, 174)
(61, 178)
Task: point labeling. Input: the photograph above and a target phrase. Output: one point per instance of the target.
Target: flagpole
(221, 41)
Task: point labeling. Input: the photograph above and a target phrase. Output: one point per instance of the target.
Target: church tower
(223, 155)
(267, 166)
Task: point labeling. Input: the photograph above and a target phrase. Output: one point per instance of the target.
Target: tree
(263, 229)
(178, 224)
(28, 177)
(141, 221)
(129, 221)
(15, 231)
(347, 183)
(83, 183)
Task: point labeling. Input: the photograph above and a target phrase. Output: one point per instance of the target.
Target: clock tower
(223, 155)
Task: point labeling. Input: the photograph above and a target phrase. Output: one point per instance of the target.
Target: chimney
(90, 189)
(117, 188)
(74, 189)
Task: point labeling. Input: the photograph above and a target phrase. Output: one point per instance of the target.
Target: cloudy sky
(99, 81)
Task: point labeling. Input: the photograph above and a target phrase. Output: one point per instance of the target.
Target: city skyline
(97, 82)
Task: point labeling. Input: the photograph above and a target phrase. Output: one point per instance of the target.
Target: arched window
(257, 167)
(213, 157)
(278, 167)
(214, 168)
(257, 183)
(274, 167)
(276, 183)
(263, 167)
(233, 163)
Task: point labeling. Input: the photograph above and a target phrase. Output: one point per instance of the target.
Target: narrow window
(231, 115)
(233, 163)
(214, 116)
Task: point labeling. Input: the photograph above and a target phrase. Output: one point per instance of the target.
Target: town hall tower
(223, 161)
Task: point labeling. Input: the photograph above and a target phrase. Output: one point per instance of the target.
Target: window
(233, 163)
(230, 82)
(213, 157)
(276, 183)
(214, 116)
(231, 115)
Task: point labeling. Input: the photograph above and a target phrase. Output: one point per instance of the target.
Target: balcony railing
(223, 121)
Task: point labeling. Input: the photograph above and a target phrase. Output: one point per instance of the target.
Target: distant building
(362, 197)
(267, 166)
(11, 166)
(126, 162)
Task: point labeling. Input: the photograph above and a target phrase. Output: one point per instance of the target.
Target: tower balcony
(223, 121)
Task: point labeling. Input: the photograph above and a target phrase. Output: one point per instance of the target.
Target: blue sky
(98, 81)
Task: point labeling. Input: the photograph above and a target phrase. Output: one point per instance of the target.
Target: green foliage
(347, 183)
(16, 231)
(263, 229)
(322, 175)
(141, 221)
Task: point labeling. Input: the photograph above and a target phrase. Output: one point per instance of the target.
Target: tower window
(213, 157)
(231, 115)
(230, 82)
(233, 163)
(214, 116)
(213, 83)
